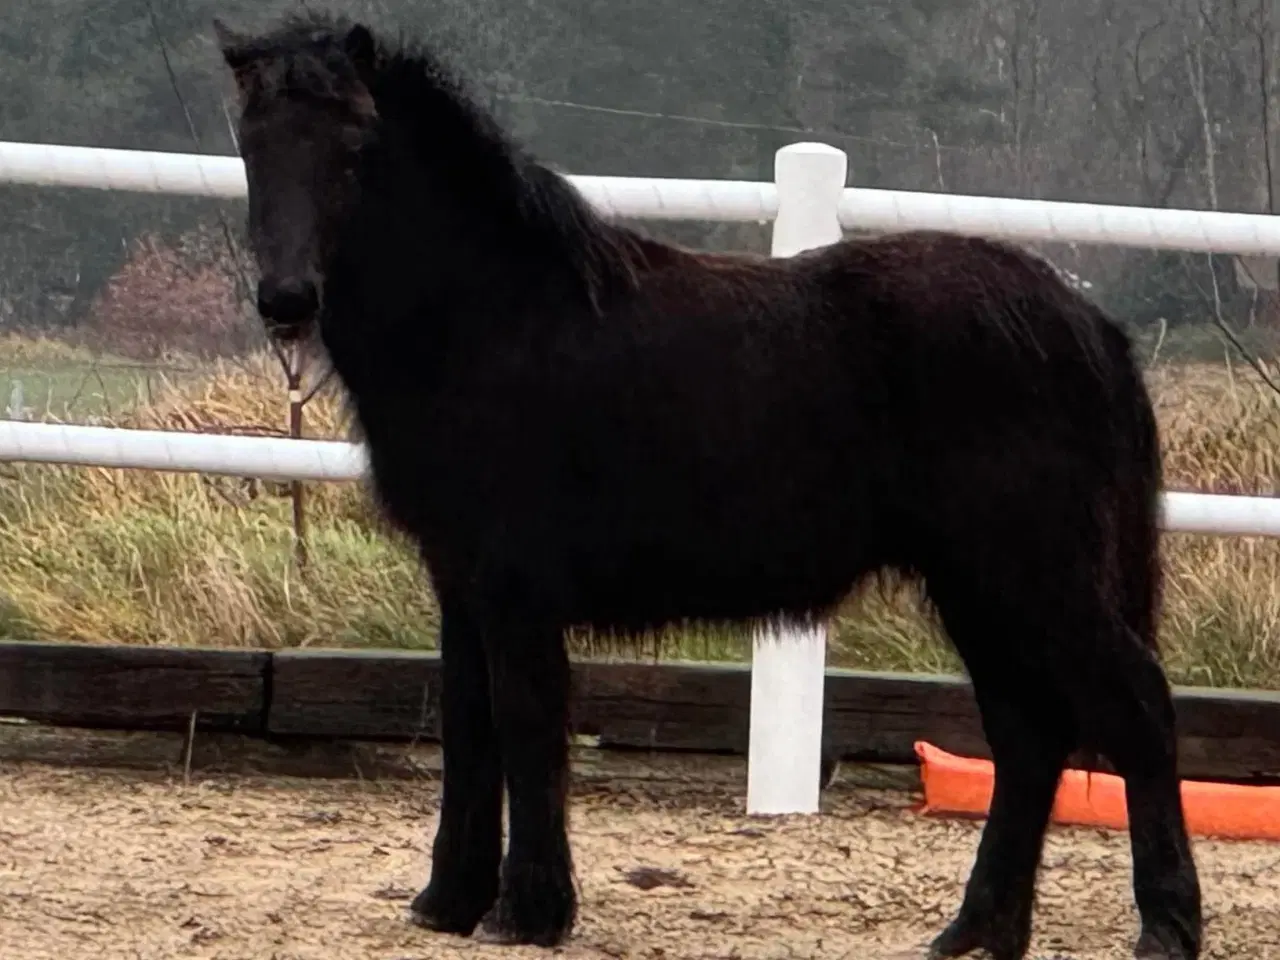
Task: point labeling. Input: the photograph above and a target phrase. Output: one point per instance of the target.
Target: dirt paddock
(234, 864)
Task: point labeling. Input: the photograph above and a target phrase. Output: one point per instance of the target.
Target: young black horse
(581, 426)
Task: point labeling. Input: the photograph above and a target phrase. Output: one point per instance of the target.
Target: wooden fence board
(1228, 734)
(684, 706)
(143, 688)
(394, 695)
(869, 717)
(357, 694)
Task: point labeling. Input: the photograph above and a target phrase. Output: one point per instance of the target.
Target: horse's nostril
(287, 302)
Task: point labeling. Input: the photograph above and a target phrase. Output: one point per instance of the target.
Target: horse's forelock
(304, 56)
(315, 73)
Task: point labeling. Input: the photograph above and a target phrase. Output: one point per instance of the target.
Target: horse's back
(745, 436)
(1023, 418)
(879, 401)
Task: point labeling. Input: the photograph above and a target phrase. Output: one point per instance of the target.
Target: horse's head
(306, 112)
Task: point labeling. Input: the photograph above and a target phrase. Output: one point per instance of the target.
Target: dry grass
(1220, 432)
(149, 558)
(156, 558)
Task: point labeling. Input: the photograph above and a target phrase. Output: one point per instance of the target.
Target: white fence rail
(1208, 231)
(269, 458)
(809, 204)
(275, 458)
(660, 198)
(195, 175)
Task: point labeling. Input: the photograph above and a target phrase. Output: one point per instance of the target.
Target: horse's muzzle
(287, 307)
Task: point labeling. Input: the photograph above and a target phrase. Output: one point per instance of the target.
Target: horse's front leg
(468, 846)
(530, 676)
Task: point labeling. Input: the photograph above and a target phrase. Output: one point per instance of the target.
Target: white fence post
(788, 666)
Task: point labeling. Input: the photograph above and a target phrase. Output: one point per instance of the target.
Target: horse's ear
(360, 46)
(235, 47)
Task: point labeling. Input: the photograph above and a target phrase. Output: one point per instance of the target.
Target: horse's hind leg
(1133, 726)
(1030, 730)
(1076, 657)
(1126, 711)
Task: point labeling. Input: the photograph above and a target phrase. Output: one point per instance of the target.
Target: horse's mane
(429, 101)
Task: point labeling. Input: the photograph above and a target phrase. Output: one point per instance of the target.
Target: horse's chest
(451, 478)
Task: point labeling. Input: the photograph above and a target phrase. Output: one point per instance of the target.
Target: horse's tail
(1149, 570)
(1136, 574)
(1140, 573)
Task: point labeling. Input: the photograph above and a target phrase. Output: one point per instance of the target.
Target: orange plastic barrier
(963, 785)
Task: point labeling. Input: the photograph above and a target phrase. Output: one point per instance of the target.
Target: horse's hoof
(432, 912)
(536, 907)
(499, 929)
(1153, 946)
(956, 940)
(438, 924)
(964, 936)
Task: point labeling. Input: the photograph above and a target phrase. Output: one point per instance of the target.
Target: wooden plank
(140, 688)
(388, 695)
(368, 694)
(877, 717)
(1228, 734)
(669, 706)
(685, 706)
(870, 717)
(355, 694)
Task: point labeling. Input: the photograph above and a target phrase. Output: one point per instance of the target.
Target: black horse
(581, 426)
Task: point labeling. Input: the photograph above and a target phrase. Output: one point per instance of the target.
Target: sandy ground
(140, 865)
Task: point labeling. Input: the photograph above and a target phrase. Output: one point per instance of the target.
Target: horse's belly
(655, 581)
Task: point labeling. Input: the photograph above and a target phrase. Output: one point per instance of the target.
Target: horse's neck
(440, 265)
(410, 282)
(458, 250)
